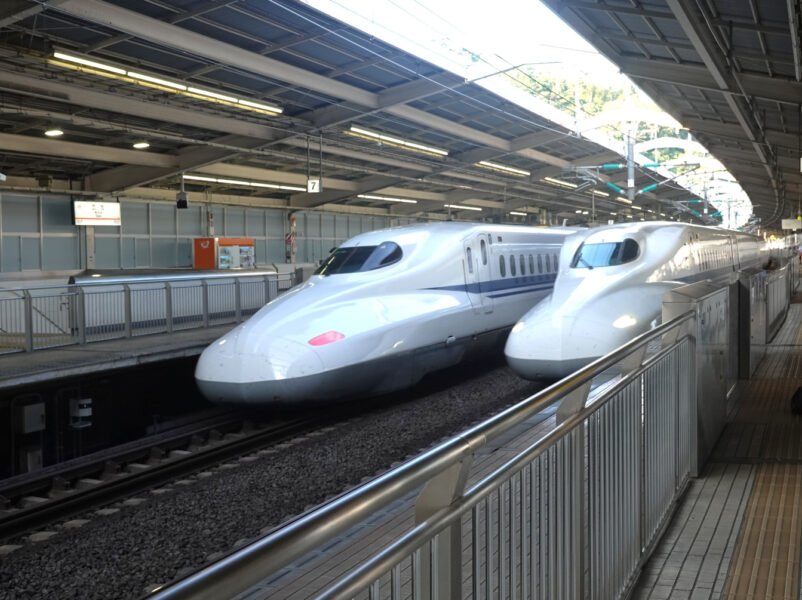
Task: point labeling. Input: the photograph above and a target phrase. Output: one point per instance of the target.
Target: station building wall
(37, 234)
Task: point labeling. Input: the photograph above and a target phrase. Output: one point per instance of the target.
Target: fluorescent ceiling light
(386, 198)
(257, 184)
(503, 168)
(584, 212)
(553, 181)
(141, 145)
(614, 214)
(259, 105)
(88, 63)
(54, 132)
(397, 141)
(622, 199)
(636, 207)
(662, 214)
(578, 211)
(518, 214)
(211, 94)
(157, 80)
(458, 207)
(598, 193)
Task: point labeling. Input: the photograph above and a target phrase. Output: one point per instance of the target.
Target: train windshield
(607, 254)
(354, 259)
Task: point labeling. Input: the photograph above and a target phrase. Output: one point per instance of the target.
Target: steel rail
(247, 566)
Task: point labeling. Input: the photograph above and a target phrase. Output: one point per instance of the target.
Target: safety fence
(573, 515)
(50, 316)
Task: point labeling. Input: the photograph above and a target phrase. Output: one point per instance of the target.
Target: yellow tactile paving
(766, 560)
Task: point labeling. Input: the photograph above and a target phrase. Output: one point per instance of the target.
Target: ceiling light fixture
(518, 214)
(598, 193)
(77, 62)
(141, 145)
(257, 184)
(622, 199)
(386, 198)
(553, 181)
(459, 207)
(503, 168)
(414, 146)
(53, 132)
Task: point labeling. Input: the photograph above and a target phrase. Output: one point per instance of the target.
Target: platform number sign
(313, 186)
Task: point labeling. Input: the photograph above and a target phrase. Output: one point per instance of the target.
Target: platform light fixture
(395, 141)
(137, 77)
(54, 132)
(624, 200)
(461, 207)
(559, 182)
(598, 193)
(503, 168)
(243, 182)
(515, 213)
(387, 198)
(141, 145)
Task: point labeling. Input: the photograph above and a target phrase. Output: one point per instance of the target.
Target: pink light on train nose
(326, 338)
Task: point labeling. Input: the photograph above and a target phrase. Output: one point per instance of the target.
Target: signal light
(326, 338)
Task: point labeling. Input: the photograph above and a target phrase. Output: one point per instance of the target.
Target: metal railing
(778, 294)
(574, 515)
(51, 316)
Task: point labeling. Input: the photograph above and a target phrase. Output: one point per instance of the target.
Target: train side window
(548, 263)
(531, 265)
(483, 247)
(539, 263)
(512, 265)
(469, 258)
(502, 265)
(555, 261)
(523, 265)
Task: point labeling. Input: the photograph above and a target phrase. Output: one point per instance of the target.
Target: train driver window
(469, 259)
(523, 265)
(483, 247)
(512, 265)
(353, 259)
(531, 265)
(502, 265)
(605, 254)
(539, 263)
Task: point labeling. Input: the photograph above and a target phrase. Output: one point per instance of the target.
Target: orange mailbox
(223, 253)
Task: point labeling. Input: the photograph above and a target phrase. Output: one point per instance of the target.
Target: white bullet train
(610, 287)
(384, 309)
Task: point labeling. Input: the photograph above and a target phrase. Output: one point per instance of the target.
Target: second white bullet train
(383, 310)
(610, 288)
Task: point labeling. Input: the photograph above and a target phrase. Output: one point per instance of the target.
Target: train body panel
(610, 288)
(386, 308)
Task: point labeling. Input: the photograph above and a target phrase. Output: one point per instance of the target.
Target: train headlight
(624, 321)
(326, 338)
(518, 326)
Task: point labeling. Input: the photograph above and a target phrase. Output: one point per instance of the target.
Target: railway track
(33, 501)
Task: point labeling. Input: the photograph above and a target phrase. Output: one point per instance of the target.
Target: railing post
(168, 306)
(267, 288)
(28, 314)
(238, 300)
(127, 310)
(205, 300)
(81, 314)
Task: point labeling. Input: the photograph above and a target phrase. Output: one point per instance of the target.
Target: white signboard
(792, 224)
(97, 213)
(313, 186)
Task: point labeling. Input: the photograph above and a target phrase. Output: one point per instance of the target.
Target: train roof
(647, 227)
(450, 228)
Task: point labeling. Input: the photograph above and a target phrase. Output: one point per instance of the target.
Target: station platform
(42, 366)
(735, 535)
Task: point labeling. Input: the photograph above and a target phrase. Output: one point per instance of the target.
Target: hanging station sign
(96, 213)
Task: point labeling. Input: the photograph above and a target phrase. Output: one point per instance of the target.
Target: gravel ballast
(181, 527)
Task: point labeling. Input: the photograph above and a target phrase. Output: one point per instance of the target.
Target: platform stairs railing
(574, 515)
(42, 317)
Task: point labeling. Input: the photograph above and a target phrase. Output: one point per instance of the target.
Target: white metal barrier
(50, 316)
(574, 515)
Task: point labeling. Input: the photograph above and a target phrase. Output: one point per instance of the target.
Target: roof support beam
(794, 23)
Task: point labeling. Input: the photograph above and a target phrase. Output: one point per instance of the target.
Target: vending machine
(223, 253)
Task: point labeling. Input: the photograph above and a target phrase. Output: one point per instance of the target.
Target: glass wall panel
(61, 253)
(20, 213)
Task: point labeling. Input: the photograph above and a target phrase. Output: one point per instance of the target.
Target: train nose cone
(232, 370)
(554, 346)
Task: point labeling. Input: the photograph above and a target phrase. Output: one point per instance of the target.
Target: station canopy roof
(728, 70)
(246, 101)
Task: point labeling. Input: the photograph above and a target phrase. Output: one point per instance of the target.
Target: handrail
(249, 565)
